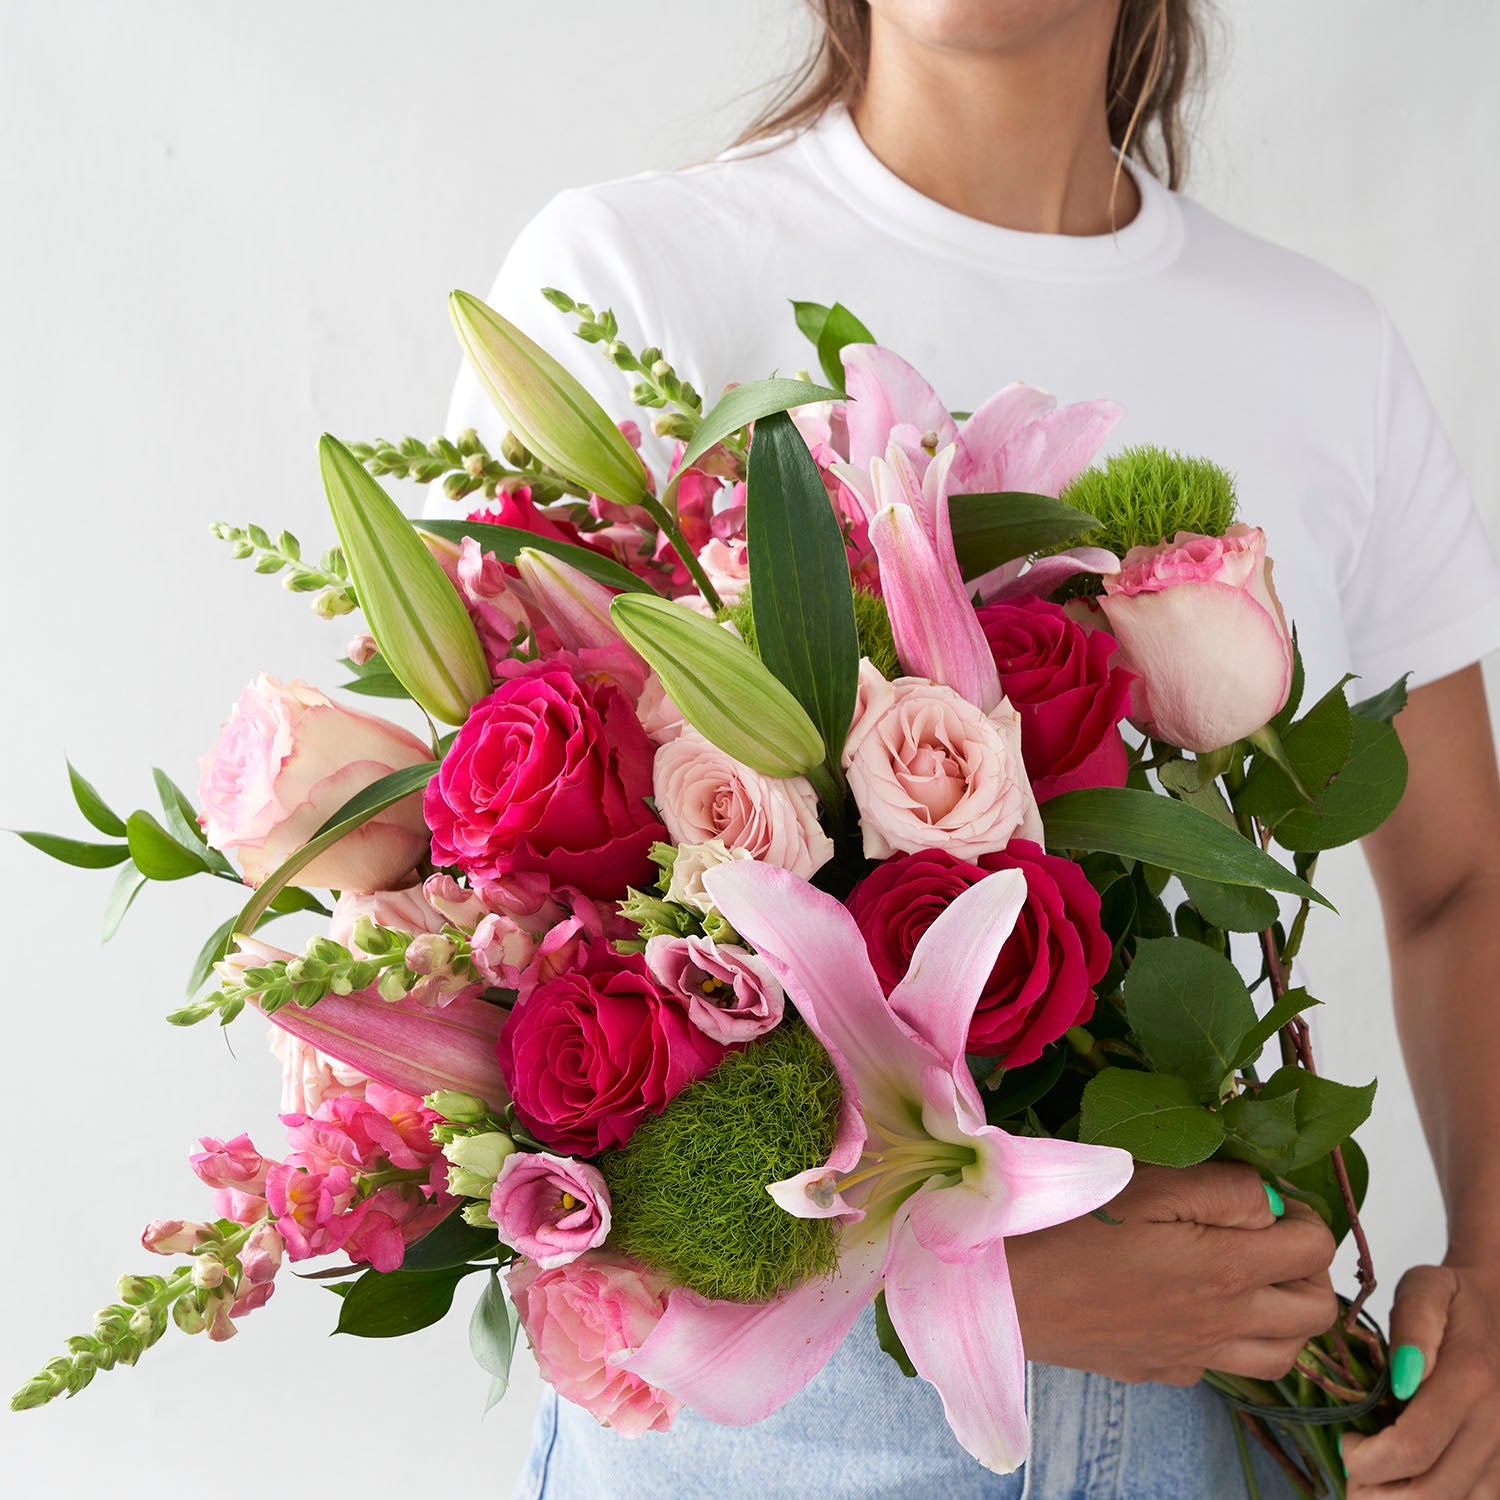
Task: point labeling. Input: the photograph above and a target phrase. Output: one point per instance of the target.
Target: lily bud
(545, 407)
(574, 605)
(722, 687)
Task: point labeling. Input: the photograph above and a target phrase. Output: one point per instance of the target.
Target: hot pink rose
(730, 993)
(287, 759)
(1069, 692)
(928, 769)
(549, 773)
(550, 1208)
(577, 1317)
(1200, 622)
(705, 793)
(1043, 982)
(588, 1055)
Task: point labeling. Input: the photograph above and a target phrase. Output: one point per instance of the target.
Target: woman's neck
(1017, 137)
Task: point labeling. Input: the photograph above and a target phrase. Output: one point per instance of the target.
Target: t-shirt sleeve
(1424, 593)
(579, 245)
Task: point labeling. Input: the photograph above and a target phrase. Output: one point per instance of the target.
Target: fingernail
(1274, 1198)
(1407, 1365)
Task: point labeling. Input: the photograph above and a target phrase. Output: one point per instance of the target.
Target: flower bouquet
(817, 865)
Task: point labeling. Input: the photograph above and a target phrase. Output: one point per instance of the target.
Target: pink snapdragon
(237, 1173)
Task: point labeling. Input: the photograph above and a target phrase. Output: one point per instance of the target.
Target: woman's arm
(1436, 864)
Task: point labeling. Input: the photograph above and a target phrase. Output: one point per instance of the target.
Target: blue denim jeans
(863, 1431)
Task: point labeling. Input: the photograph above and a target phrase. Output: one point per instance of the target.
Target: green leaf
(293, 898)
(416, 616)
(721, 686)
(158, 855)
(383, 1305)
(1260, 1131)
(506, 542)
(840, 327)
(1189, 1010)
(743, 404)
(1288, 709)
(453, 1242)
(210, 954)
(1319, 1184)
(1183, 780)
(1154, 1116)
(889, 1339)
(1383, 706)
(127, 887)
(492, 1337)
(1235, 908)
(1358, 800)
(359, 809)
(1291, 1005)
(801, 597)
(545, 407)
(75, 851)
(1020, 1088)
(1163, 831)
(990, 529)
(182, 823)
(1317, 747)
(94, 807)
(811, 316)
(1327, 1112)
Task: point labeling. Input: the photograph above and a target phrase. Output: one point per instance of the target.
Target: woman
(973, 178)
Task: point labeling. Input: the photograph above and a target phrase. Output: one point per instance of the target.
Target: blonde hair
(1154, 63)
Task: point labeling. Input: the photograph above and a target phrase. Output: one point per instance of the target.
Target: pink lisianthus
(731, 995)
(580, 1320)
(237, 1173)
(284, 762)
(705, 793)
(550, 1208)
(928, 769)
(1200, 622)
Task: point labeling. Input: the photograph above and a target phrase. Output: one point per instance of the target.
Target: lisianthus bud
(476, 1162)
(457, 1107)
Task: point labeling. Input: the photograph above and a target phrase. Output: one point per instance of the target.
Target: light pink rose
(288, 758)
(727, 564)
(930, 770)
(1200, 623)
(703, 793)
(308, 1076)
(577, 1317)
(660, 717)
(551, 1208)
(730, 993)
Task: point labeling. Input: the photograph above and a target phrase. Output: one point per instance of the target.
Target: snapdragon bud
(208, 1271)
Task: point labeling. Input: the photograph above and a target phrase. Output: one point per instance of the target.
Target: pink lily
(403, 1044)
(1014, 580)
(925, 1190)
(571, 602)
(1020, 439)
(938, 635)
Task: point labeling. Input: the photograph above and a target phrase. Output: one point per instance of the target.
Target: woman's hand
(1446, 1444)
(1197, 1273)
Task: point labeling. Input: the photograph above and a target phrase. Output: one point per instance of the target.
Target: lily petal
(959, 1326)
(817, 952)
(1013, 580)
(1047, 455)
(885, 391)
(953, 960)
(992, 425)
(736, 1362)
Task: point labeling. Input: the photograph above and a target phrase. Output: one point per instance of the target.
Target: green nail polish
(1407, 1365)
(1274, 1198)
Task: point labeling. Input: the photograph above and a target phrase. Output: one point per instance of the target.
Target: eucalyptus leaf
(1163, 831)
(801, 597)
(990, 529)
(506, 542)
(741, 405)
(98, 812)
(1154, 1116)
(1189, 1010)
(387, 1304)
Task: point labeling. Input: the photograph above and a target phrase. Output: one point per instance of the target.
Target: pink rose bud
(550, 1208)
(1198, 619)
(730, 993)
(288, 758)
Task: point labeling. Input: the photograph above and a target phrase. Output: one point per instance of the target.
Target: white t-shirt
(1216, 343)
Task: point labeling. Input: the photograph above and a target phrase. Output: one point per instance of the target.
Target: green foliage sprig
(328, 578)
(464, 465)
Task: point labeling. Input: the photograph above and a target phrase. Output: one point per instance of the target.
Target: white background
(229, 227)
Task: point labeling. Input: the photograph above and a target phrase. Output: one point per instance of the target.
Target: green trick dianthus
(688, 1191)
(1146, 495)
(872, 624)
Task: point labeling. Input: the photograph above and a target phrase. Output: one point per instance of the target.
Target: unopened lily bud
(457, 1107)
